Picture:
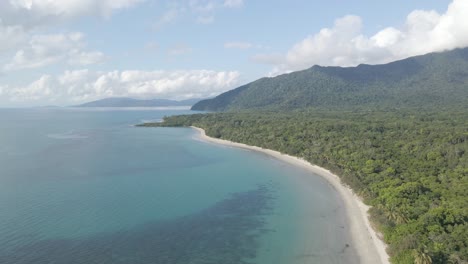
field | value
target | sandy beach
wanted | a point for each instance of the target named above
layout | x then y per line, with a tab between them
370	248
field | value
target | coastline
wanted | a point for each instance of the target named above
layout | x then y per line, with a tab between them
370	248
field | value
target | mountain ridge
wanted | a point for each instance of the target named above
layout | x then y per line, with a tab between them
421	81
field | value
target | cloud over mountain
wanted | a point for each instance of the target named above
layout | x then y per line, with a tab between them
344	44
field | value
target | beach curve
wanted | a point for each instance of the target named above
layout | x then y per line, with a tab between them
369	246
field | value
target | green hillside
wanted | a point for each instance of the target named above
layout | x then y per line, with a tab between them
436	79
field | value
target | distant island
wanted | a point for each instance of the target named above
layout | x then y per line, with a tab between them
131	102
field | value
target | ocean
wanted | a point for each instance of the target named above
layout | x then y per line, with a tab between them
87	186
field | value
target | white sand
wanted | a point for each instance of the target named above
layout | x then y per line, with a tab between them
370	248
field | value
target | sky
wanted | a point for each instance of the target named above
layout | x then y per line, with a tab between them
65	52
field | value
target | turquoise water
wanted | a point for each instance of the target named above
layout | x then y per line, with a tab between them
85	186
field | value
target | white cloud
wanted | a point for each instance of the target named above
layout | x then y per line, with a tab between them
43	50
344	44
19	18
83	85
233	3
340	45
10	37
32	13
387	37
238	45
37	90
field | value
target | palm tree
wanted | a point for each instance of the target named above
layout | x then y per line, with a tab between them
393	214
454	259
421	257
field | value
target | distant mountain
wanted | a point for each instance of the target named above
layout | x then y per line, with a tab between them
130	102
432	80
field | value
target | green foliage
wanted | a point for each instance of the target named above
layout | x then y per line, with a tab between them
411	167
439	79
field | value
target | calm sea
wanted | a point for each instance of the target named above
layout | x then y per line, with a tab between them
85	186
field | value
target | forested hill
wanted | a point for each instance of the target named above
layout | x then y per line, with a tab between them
432	80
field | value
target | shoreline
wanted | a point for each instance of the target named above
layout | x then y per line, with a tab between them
370	248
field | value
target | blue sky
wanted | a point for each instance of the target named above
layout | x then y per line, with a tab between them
65	52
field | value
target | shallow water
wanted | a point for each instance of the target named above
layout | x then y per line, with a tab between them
85	186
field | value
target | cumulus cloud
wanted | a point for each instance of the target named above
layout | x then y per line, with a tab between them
19	18
32	13
344	44
38	89
43	50
82	85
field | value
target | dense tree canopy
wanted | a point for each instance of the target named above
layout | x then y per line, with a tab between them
412	167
